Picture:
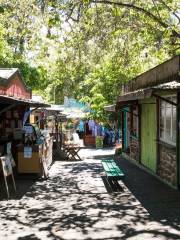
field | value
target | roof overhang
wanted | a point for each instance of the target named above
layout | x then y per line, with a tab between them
27	102
110	108
56	108
136	95
162	73
132	97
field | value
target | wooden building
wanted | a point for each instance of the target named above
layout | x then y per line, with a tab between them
11	84
149	107
15	103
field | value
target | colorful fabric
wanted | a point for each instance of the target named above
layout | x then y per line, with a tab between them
81	126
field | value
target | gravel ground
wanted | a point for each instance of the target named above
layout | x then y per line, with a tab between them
76	203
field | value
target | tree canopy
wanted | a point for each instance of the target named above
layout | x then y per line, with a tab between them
86	48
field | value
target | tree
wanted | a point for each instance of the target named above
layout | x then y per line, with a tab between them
86	48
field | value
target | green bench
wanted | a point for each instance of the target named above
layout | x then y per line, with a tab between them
113	172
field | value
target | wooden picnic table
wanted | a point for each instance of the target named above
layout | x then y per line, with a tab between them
71	151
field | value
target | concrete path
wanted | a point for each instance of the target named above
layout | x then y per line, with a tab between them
76	203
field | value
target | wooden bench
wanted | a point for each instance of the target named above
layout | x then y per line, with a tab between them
113	172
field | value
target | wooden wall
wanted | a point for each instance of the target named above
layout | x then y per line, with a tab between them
165	72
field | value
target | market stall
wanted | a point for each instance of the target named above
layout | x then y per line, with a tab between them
35	154
15	103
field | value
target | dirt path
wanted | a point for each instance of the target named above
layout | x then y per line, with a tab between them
74	204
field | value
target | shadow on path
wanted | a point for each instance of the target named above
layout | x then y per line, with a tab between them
73	204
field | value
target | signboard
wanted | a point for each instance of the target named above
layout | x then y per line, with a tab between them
6	165
7	171
27	152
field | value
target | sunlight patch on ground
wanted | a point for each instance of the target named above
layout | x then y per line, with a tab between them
89	153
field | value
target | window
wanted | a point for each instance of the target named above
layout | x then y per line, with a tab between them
167	124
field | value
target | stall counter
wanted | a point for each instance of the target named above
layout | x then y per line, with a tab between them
35	158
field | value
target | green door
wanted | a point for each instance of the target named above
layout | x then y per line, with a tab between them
148	135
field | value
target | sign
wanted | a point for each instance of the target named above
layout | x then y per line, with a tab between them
6	165
7	171
28	129
27	152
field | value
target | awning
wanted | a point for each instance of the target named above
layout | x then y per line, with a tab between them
28	102
148	92
110	108
56	108
139	94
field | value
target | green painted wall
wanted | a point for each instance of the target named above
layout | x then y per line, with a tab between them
148	133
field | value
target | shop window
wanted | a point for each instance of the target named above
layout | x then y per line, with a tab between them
167	118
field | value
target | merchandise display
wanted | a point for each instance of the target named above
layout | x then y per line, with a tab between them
35	154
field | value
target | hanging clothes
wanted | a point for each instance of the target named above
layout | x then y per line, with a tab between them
95	130
87	130
81	129
81	126
99	129
91	124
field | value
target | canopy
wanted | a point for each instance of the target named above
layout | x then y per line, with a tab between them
75	109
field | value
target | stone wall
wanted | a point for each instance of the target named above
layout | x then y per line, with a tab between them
134	149
167	165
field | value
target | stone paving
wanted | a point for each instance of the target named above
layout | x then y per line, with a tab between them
76	203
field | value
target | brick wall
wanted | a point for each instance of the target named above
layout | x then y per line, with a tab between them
167	165
134	149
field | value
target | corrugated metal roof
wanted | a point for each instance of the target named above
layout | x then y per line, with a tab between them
168	85
10	100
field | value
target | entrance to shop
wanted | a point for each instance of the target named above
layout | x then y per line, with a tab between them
148	136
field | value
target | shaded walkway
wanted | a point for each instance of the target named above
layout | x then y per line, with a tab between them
161	201
74	204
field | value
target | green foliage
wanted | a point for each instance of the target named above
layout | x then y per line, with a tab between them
86	49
